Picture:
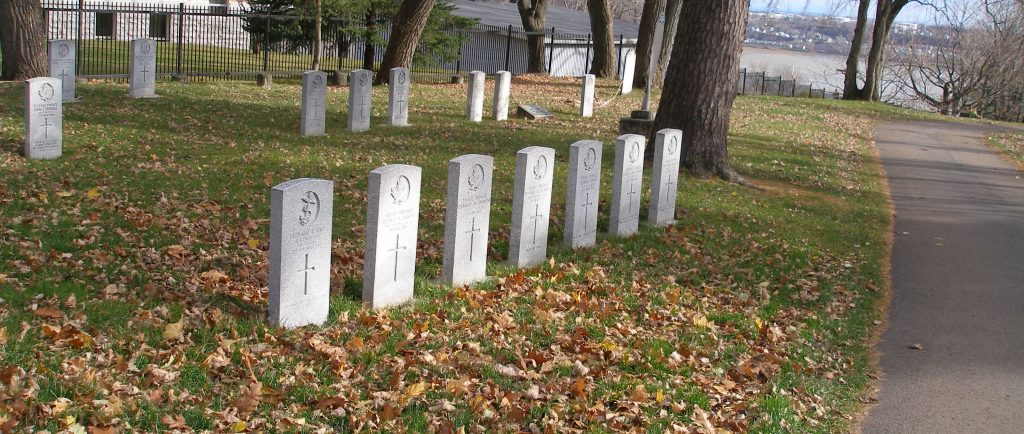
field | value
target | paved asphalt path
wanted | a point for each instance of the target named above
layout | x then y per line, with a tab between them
958	285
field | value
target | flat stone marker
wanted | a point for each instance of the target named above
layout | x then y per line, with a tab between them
314	103
392	220
475	96
661	210
627	72
587	96
627	183
360	100
583	194
142	69
398	97
531	206
301	213
533	112
62	66
502	85
467	219
44	118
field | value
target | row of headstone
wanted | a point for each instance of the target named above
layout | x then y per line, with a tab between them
301	216
360	101
502	85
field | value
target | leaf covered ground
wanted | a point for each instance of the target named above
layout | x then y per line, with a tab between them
133	276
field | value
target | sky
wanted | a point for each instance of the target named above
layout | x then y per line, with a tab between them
914	12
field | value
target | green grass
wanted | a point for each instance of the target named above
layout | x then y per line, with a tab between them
757	306
1010	144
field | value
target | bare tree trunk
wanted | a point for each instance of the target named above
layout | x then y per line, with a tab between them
23	39
645	40
369	50
672	8
850	88
885	13
700	85
604	43
533	14
318	41
413	15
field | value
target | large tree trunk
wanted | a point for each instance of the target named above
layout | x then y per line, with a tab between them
369	49
604	42
533	14
672	8
413	15
885	12
850	88
645	40
23	39
318	41
700	83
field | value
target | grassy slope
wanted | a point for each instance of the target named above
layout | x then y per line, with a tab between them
753	312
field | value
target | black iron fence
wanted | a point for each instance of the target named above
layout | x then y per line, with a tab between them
200	42
758	83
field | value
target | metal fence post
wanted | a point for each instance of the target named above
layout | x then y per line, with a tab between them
586	58
181	35
508	46
744	80
618	61
266	43
551	52
78	42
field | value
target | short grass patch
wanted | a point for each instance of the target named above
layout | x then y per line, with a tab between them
133	273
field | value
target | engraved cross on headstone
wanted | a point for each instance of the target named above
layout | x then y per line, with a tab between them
586	211
537	215
400	102
362	106
669	185
145	69
63	75
316	108
395	251
632	192
305	271
472	238
46	130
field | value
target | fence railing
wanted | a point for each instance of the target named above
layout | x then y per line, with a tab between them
758	83
230	41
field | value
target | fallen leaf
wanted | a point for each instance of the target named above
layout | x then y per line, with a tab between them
174	331
93	193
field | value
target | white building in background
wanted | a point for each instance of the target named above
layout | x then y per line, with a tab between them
569	50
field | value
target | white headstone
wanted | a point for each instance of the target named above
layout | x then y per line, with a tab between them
301	212
531	206
44	118
583	193
628	67
398	97
392	221
502	83
467	219
587	96
314	103
475	96
627	183
62	66
360	100
661	209
142	68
